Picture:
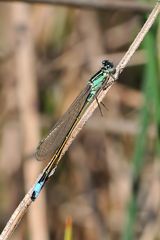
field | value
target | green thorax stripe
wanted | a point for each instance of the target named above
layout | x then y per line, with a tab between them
96	84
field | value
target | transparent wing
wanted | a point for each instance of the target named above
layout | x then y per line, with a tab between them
56	137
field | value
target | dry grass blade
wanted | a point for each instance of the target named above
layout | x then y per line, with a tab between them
101	5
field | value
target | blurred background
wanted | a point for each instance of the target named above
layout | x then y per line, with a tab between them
107	186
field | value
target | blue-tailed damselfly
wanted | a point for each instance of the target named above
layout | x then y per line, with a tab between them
50	148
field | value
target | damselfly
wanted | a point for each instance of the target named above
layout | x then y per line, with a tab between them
50	148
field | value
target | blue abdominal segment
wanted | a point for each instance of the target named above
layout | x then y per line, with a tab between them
37	188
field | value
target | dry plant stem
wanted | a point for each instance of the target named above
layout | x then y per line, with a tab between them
19	212
139	38
17	216
95	4
24	71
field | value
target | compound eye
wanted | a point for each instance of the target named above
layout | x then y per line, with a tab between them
110	65
104	62
107	64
